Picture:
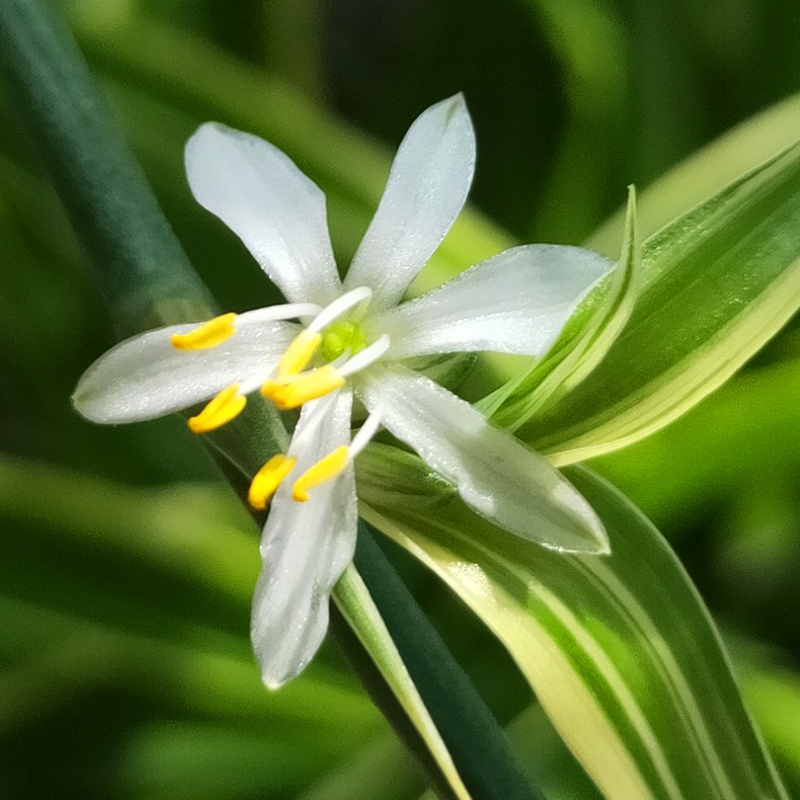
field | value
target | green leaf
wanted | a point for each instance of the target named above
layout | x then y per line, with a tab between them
717	283
707	172
356	604
590	45
474	738
582	345
209	83
73	569
620	650
774	694
744	436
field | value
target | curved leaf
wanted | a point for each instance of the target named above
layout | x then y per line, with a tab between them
706	172
717	283
358	608
620	650
596	327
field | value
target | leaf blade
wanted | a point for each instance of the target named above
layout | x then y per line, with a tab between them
620	651
583	343
353	598
717	284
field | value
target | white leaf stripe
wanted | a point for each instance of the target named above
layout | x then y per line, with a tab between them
547	649
667	668
720	282
612	692
620	652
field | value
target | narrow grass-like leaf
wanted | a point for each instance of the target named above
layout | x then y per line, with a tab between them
356	604
210	83
590	45
583	345
56	650
478	746
744	435
774	694
620	650
717	283
706	172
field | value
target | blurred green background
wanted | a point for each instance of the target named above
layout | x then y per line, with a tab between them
126	566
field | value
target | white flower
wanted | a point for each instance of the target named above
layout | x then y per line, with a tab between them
350	340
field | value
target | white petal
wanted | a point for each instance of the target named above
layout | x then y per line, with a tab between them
515	302
495	473
278	213
305	547
146	377
427	187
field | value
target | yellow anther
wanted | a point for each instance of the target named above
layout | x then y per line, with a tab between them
311	385
209	334
223	408
298	354
267	479
324	470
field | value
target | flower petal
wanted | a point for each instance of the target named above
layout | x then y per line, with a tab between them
259	193
427	187
496	474
146	377
515	302
305	547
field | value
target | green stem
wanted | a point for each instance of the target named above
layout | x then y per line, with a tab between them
477	743
140	265
143	271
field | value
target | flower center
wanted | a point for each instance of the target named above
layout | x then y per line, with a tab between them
317	362
341	337
339	342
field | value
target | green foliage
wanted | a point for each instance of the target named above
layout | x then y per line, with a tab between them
619	651
124	663
717	283
583	345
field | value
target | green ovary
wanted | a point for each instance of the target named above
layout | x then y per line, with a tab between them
340	337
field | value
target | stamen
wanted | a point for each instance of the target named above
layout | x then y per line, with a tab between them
339	306
299	353
365	433
267	479
207	335
365	357
324	470
280	312
223	408
302	388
